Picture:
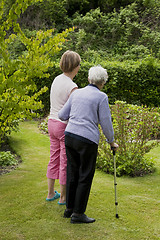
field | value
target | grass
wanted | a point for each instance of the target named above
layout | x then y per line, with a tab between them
25	214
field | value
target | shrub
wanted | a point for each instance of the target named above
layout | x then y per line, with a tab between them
43	126
19	95
7	159
134	128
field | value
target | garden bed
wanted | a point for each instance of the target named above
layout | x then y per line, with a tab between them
7	148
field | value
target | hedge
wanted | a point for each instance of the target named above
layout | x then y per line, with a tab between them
132	82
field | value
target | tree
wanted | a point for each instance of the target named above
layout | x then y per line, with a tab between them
18	95
128	33
45	14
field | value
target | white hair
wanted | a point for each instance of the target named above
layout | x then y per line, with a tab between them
97	75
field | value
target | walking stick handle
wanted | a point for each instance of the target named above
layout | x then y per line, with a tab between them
114	151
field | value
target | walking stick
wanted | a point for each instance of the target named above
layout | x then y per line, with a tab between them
115	182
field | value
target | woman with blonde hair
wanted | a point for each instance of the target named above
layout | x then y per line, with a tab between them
61	89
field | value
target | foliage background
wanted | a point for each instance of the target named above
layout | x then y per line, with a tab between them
123	36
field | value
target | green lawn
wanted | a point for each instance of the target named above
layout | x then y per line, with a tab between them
25	214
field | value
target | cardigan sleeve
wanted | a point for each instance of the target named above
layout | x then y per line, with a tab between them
105	120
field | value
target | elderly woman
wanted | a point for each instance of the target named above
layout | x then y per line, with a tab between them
86	108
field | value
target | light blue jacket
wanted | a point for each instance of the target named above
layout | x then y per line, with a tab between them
86	108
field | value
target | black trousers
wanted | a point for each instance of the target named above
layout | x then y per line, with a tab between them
81	161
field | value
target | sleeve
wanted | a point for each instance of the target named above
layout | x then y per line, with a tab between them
71	86
64	113
105	120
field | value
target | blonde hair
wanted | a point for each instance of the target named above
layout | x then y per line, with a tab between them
69	61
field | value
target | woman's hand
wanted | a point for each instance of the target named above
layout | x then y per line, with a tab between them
114	145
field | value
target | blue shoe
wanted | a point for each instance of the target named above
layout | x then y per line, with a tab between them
61	203
56	196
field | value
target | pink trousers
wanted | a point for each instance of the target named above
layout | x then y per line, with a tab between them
57	166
